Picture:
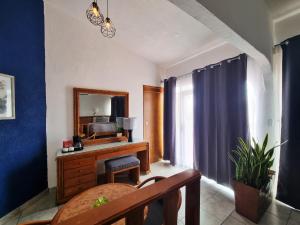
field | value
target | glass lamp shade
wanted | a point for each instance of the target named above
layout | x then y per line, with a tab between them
107	29
119	121
94	15
129	123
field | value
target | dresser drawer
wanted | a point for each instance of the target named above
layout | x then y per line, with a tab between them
79	180
71	191
78	172
76	163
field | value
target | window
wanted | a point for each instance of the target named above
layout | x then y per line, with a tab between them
184	122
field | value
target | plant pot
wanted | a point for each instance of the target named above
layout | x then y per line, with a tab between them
250	202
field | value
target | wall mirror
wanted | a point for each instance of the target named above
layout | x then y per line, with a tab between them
98	115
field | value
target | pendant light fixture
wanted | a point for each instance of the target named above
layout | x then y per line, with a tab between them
94	15
107	28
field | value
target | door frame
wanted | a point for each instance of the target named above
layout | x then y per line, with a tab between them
148	88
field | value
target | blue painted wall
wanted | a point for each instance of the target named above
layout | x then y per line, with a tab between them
23	157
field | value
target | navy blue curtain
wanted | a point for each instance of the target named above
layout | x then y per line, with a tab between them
117	107
170	119
288	183
220	116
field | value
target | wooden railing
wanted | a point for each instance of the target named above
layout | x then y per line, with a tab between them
132	205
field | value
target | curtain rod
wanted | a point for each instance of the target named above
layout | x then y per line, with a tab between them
180	76
204	68
282	43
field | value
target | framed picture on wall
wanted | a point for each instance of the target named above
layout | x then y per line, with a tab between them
7	97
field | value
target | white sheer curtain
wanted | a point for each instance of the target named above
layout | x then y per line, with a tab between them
184	122
277	91
259	99
256	93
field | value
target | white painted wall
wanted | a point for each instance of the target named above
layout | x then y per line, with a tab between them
242	23
287	28
210	57
250	19
89	104
78	56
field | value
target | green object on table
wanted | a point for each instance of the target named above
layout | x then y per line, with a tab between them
100	201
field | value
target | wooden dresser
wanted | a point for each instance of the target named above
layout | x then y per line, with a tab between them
77	171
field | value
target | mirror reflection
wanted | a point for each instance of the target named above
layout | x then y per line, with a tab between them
101	116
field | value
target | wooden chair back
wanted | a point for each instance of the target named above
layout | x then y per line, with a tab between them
132	205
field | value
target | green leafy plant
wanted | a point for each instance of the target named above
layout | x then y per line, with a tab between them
253	163
100	201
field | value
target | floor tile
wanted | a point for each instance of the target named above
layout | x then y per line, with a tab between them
220	208
11	221
295	215
46	202
35	199
220	197
181	213
207	218
269	218
293	222
11	218
180	221
232	221
43	215
280	210
241	219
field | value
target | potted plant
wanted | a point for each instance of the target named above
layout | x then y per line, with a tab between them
119	132
253	176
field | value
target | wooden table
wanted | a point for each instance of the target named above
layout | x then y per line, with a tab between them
77	171
85	201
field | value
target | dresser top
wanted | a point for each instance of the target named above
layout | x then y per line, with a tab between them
98	147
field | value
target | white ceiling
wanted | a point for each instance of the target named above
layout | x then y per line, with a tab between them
154	29
282	8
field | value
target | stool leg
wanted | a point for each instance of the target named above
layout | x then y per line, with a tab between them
138	171
110	177
135	175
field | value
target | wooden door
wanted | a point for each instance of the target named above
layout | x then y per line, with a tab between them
153	121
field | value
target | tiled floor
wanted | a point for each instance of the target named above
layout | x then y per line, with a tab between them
216	206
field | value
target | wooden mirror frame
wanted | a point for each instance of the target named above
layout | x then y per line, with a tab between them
76	109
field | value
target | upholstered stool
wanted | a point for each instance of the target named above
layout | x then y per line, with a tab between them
119	165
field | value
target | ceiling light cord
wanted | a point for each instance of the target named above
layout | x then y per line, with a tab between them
107	8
